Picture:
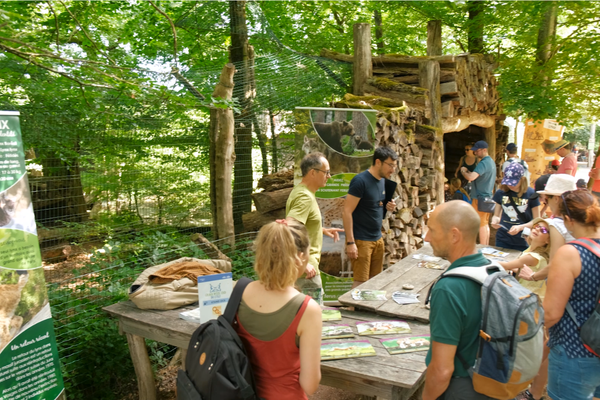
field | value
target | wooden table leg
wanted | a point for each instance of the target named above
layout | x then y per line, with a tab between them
143	369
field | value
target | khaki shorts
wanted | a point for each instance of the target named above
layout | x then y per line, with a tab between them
370	259
484	218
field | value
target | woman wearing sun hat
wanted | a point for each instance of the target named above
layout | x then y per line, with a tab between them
516	203
569	163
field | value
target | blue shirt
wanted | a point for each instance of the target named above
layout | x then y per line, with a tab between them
510	217
483	186
368	214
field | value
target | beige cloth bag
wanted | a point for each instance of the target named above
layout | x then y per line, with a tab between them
167	296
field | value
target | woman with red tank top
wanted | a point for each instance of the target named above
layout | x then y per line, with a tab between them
279	326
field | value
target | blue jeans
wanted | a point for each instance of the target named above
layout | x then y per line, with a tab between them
572	378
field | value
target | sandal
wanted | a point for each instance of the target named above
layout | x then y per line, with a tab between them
526	395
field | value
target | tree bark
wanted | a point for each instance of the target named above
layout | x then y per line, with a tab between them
475	26
222	141
546	34
239	54
434	38
270	201
379	32
274	150
363	65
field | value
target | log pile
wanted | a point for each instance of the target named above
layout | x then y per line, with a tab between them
420	159
467	81
270	202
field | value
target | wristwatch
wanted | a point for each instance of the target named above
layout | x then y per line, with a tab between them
349	243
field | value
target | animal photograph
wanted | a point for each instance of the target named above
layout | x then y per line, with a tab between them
346	132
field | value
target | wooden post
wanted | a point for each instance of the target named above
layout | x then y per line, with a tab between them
490	138
434	38
363	65
221	137
429	78
141	364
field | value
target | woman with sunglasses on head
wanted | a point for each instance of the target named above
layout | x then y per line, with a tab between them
469	161
574	278
279	326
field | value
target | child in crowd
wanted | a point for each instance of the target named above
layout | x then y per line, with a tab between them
279	326
457	192
535	258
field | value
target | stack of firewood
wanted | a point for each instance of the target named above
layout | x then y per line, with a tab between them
467	81
270	202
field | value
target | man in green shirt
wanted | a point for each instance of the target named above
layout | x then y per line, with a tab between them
302	206
455	317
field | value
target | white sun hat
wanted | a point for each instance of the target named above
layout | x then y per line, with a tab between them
558	184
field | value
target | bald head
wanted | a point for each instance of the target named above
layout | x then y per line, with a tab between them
460	215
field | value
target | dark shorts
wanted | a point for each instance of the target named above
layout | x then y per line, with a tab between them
462	389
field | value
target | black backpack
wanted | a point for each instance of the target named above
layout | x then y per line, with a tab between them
216	364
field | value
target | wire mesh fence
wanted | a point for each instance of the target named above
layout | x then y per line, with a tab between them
118	186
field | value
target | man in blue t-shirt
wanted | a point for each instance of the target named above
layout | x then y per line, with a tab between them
483	178
363	215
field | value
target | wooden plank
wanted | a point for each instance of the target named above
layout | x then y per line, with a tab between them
448	88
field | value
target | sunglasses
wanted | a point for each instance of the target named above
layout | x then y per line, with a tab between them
542	228
469	149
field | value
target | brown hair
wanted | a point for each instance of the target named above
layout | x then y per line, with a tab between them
277	246
522	187
580	206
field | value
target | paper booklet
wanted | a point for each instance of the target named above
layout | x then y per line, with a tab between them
330	314
213	294
337	332
382	327
406	344
360	294
191	315
355	348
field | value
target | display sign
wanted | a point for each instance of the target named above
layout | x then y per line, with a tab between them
538	145
29	365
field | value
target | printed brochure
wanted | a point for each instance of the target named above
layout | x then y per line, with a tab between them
382	327
213	294
406	344
330	314
337	332
358	294
337	350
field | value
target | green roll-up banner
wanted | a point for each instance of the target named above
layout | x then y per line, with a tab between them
29	366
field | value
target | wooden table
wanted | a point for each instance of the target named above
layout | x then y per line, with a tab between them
395	377
403	272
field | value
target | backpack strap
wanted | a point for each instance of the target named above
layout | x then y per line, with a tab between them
595	249
521	216
235	299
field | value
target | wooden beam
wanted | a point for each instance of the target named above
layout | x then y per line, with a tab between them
461	122
448	88
447	109
363	65
434	38
446	60
142	367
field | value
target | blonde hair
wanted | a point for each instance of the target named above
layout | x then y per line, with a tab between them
522	187
543	251
277	246
456	185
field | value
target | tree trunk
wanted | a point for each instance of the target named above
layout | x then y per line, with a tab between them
434	38
274	150
363	66
379	32
239	54
546	34
221	135
475	26
262	144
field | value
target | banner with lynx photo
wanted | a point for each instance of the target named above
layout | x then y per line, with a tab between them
538	145
347	139
29	365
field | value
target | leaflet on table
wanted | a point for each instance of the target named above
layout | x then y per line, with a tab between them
213	294
337	332
489	251
330	314
406	344
337	350
405	298
362	294
191	315
382	327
